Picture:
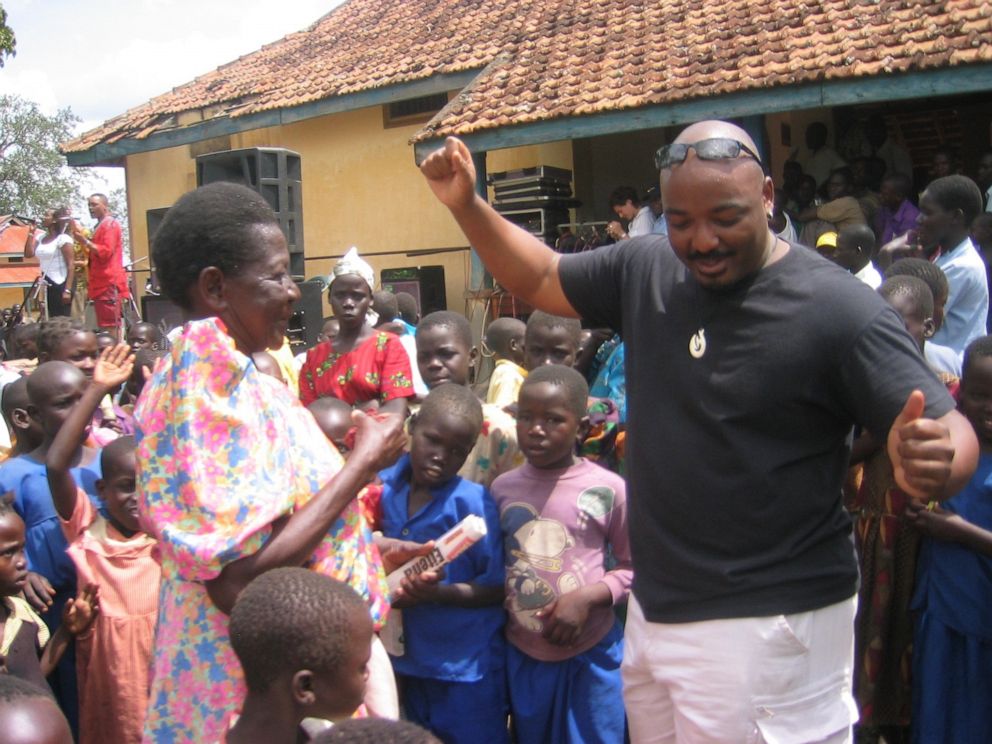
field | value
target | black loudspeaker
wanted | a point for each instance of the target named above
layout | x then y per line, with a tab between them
308	316
426	284
161	312
304	324
276	174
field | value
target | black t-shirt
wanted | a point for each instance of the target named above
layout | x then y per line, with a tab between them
735	458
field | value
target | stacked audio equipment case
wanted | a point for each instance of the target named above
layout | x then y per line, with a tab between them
537	199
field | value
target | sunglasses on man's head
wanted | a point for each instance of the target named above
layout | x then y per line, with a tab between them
717	148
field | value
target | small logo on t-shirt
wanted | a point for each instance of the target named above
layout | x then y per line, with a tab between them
597	501
697	344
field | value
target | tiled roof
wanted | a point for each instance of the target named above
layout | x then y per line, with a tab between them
18	275
13	236
544	59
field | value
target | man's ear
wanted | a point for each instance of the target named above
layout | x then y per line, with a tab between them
473	356
302	688
929	328
768	196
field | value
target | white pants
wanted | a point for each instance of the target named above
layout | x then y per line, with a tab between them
784	679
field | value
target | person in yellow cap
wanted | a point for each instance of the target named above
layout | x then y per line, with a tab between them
362	366
852	249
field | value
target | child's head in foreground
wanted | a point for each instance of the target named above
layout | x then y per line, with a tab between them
333	416
267	365
376	731
13	563
329	329
912	299
551	339
54	390
981	233
145	336
932	274
505	339
304	642
145	360
976	388
442	433
66	340
118	487
444	348
29	714
551	416
24	427
23	341
855	247
104	340
406	304
384	305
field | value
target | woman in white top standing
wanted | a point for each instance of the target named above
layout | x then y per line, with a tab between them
54	252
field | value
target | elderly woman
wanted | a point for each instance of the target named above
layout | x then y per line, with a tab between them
360	365
234	476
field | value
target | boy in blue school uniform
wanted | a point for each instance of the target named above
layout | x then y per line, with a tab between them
452	671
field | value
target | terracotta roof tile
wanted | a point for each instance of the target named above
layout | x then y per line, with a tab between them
12	237
18	275
544	59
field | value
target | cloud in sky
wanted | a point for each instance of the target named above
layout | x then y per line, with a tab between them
102	57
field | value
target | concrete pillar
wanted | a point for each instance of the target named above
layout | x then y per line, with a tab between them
480	277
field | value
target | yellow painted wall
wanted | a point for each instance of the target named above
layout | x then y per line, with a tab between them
557	154
360	187
154	180
10	296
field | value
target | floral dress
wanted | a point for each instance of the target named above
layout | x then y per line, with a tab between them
376	369
223	451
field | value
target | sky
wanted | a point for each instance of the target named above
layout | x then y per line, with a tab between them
102	57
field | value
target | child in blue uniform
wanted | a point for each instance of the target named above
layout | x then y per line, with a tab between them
54	389
451	672
952	646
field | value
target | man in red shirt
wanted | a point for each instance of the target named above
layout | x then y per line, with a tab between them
107	278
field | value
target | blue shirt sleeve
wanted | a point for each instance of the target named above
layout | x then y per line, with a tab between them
487	554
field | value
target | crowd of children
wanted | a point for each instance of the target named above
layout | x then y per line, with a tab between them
520	636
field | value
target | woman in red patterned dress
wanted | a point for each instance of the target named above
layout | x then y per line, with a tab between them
361	366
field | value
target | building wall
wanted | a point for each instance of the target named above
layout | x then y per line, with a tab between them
787	135
360	187
154	180
10	296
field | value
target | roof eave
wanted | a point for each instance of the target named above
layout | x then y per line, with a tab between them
975	78
113	153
